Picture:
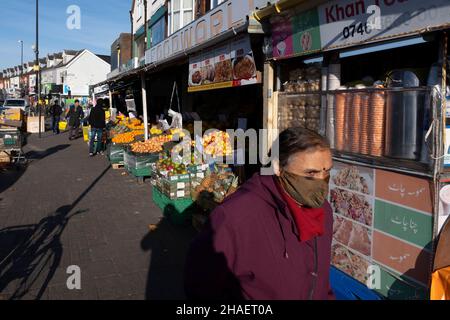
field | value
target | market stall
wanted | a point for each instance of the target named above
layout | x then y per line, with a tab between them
382	106
188	181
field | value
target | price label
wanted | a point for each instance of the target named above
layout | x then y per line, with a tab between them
180	193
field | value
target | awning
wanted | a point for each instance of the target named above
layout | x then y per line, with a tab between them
184	54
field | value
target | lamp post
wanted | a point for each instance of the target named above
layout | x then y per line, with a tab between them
21	65
38	71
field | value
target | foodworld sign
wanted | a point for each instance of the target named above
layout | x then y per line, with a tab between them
229	15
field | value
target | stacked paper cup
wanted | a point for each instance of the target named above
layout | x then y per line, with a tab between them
333	83
355	123
340	120
323	103
365	113
348	132
377	125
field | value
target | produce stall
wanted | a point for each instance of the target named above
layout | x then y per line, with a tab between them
383	108
188	180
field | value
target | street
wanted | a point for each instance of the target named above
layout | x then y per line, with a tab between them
66	209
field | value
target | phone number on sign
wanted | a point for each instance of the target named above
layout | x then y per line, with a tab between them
229	310
354	29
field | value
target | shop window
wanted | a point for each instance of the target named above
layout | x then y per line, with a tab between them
140	9
158	32
181	13
215	3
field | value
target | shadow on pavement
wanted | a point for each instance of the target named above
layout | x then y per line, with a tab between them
39	155
33	262
168	244
10	174
31	254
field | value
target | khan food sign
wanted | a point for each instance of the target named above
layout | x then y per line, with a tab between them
226	66
229	15
349	22
295	33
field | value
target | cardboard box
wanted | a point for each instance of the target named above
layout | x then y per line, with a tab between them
4	157
33	124
14	114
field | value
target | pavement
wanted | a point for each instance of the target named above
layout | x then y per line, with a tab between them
71	227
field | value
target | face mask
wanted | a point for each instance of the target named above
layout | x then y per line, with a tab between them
307	191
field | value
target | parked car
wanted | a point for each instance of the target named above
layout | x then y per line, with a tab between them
16	103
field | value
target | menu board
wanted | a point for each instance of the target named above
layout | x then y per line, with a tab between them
229	65
382	219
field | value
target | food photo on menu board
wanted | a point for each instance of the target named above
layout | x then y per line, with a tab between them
223	65
230	65
244	67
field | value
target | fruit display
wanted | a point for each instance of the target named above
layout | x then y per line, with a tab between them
216	187
191	157
170	168
177	133
151	145
127	137
118	129
155	131
217	144
135	124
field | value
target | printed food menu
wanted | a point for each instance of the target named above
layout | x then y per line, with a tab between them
382	219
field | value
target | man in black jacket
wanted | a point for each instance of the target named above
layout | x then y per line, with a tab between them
97	122
75	115
55	112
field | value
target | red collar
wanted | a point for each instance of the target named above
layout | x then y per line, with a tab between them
309	221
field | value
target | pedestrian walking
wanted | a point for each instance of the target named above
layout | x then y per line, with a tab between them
271	239
97	121
55	112
74	115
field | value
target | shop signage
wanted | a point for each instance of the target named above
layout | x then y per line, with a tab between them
295	34
101	89
230	65
383	218
225	17
350	22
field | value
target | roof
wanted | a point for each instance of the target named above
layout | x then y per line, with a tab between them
105	58
58	55
72	52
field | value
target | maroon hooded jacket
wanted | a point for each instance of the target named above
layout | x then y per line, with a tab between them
250	249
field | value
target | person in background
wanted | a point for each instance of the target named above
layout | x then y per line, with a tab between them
55	112
97	122
271	239
75	114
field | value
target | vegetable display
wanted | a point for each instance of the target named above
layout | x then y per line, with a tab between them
151	145
127	137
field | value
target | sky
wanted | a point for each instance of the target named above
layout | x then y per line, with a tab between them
101	22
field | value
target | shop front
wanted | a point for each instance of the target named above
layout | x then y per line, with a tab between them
371	76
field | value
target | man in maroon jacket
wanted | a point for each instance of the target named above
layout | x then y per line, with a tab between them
272	238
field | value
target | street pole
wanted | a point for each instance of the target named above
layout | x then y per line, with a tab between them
143	83
21	65
144	104
38	73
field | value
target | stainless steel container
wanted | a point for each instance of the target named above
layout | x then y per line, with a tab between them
404	116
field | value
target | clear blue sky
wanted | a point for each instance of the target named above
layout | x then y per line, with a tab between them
101	23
